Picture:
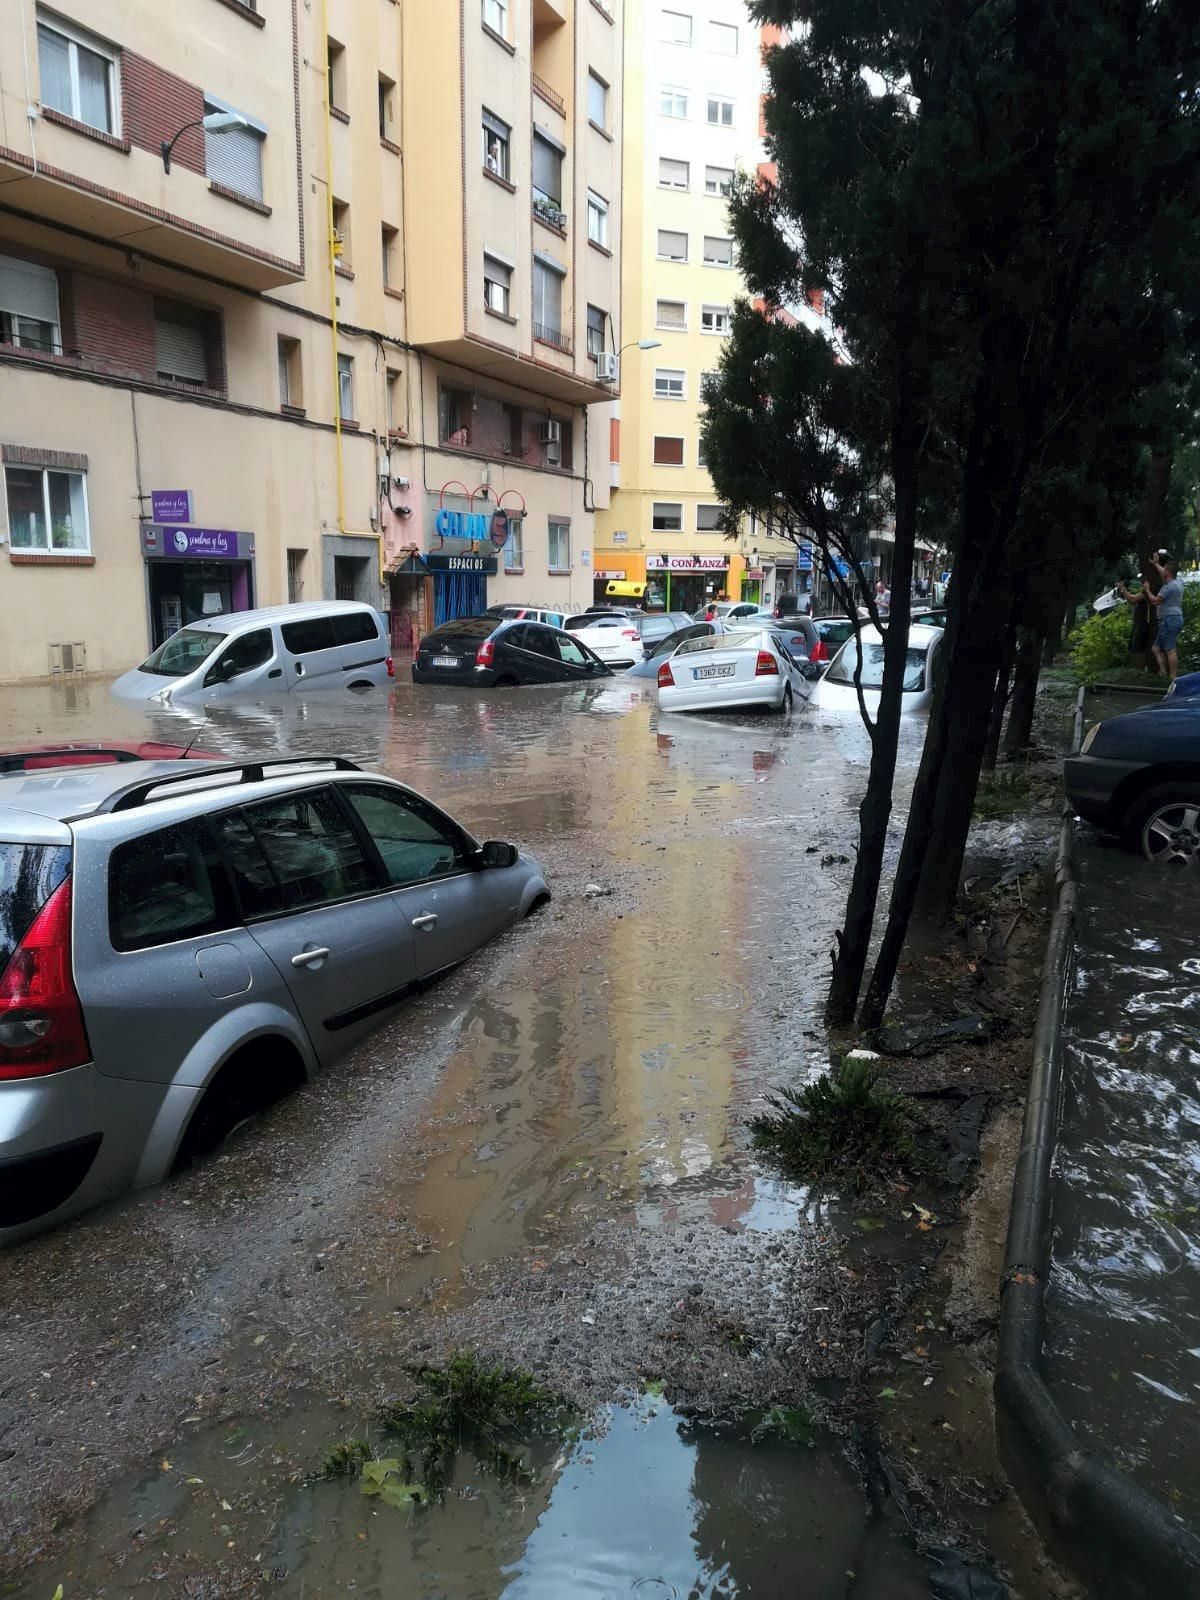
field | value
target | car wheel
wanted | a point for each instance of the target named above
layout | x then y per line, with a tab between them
505	683
785	705
1164	825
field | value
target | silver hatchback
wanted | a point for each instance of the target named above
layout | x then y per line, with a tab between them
181	944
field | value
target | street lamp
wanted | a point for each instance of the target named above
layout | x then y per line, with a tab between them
214	122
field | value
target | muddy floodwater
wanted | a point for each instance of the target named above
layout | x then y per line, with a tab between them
175	1365
1124	1301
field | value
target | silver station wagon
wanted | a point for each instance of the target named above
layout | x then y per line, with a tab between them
182	943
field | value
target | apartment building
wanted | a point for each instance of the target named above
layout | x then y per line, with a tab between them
299	299
693	120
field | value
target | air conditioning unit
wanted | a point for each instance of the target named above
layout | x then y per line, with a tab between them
66	658
550	431
606	367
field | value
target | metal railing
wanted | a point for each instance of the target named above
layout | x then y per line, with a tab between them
549	95
552	336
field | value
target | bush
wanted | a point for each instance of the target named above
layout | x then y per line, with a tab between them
1100	646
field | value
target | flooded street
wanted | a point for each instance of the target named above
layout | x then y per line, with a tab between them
1124	1301
560	1126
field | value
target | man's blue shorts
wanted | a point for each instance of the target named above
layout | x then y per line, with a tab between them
1169	629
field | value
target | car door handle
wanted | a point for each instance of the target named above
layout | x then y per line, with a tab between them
305	958
426	920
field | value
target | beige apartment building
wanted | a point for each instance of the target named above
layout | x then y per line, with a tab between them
295	297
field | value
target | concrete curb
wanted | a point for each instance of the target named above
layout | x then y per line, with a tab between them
1120	1540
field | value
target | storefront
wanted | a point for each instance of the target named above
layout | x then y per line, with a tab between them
688	582
753	580
192	573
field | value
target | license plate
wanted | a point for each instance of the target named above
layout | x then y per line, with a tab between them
714	672
445	661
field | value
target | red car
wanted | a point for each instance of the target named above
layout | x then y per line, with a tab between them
39	757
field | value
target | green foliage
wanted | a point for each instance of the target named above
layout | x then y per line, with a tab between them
1006	790
466	1405
847	1127
345	1459
385	1480
1100	646
791	1424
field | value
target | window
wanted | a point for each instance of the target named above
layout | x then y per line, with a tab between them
335	55
295	575
392	399
413	841
241	655
596	321
673	102
676	28
514	548
571	653
294	852
345	373
701	454
47	509
668	451
166	886
497	285
29	305
560	545
387	105
597	213
597	100
341	233
672	174
672	246
718	252
670	314
720	112
714	319
495	16
291	392
666	516
78	73
181	340
234	157
718	181
669	383
722	38
388	237
547	172
547	297
497	136
454	407
710	519
309	635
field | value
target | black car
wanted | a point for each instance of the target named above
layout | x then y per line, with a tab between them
480	650
1138	775
832	633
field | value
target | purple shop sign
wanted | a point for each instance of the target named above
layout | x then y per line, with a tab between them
170	505
202	542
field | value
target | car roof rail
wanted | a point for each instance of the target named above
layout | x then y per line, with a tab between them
132	795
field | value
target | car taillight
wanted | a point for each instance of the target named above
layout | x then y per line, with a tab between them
666	678
630	633
486	654
818	652
391	667
766	665
41	1020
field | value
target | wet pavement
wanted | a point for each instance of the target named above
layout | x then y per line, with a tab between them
581	1085
1124	1297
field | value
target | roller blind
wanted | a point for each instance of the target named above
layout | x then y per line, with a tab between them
234	158
179	351
27	290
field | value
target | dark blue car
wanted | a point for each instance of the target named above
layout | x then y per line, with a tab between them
1184	688
1138	776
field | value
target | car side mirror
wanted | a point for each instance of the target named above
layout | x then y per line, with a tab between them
497	854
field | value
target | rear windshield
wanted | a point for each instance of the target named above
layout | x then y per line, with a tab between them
183	652
29	875
835	632
720	641
842	670
464	628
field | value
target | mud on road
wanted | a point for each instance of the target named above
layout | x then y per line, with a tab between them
545	1159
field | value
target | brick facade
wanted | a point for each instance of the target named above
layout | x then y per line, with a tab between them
155	105
112	325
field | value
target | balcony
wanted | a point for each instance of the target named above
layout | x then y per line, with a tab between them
549	212
549	95
554	337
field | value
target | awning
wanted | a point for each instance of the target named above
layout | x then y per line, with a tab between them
411	567
631	591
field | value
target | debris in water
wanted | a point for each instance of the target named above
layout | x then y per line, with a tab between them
596	891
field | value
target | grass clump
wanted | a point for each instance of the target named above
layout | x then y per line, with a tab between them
465	1405
1005	791
847	1127
345	1460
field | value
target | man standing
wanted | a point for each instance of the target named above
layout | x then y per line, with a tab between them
1168	605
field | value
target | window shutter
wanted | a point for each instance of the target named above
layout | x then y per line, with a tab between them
179	351
234	158
673	172
672	245
27	290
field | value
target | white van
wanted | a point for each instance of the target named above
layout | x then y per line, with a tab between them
245	654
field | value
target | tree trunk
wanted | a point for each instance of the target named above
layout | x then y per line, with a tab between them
1000	698
1019	733
854	938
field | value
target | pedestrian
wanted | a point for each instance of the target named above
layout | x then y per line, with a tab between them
1168	605
710	611
883	600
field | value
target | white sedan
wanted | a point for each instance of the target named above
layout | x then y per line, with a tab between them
615	638
836	690
728	670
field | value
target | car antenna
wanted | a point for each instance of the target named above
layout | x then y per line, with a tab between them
187	749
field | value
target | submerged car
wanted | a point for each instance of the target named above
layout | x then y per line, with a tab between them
837	690
502	655
180	943
613	636
1138	776
728	671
